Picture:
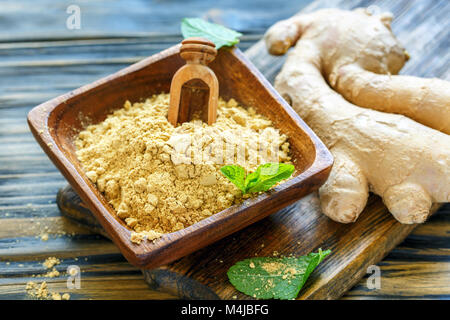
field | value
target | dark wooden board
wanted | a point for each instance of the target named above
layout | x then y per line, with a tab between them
298	230
33	70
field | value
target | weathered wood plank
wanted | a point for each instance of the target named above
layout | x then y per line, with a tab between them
418	267
408	281
112	287
101	18
294	230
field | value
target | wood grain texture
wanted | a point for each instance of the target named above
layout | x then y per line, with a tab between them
418	268
38	66
24	19
296	230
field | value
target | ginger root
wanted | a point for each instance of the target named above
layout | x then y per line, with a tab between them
404	162
360	58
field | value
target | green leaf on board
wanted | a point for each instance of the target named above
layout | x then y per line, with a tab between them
274	278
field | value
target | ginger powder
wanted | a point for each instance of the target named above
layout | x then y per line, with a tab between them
160	178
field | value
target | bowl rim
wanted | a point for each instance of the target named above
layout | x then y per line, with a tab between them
145	254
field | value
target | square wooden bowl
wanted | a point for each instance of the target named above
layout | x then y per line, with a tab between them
56	123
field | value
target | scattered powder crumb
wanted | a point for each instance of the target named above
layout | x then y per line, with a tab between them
252	265
56	296
73	271
290	271
285	270
160	178
37	290
44	237
41	290
52	274
66	296
272	267
137	237
51	262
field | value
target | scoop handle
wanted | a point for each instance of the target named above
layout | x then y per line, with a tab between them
197	52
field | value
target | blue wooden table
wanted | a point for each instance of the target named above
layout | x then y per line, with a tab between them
41	58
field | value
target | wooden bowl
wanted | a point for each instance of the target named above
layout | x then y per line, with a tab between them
56	123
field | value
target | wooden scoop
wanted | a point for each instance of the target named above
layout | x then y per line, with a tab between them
194	85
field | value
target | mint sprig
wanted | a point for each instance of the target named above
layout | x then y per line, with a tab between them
274	278
220	35
262	179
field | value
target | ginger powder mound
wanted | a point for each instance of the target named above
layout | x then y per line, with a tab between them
160	178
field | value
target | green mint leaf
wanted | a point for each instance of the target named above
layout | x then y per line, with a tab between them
262	179
235	174
251	179
274	278
220	35
269	174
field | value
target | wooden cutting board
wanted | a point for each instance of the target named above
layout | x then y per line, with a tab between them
298	229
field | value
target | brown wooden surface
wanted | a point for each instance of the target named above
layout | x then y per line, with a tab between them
38	66
298	230
56	123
